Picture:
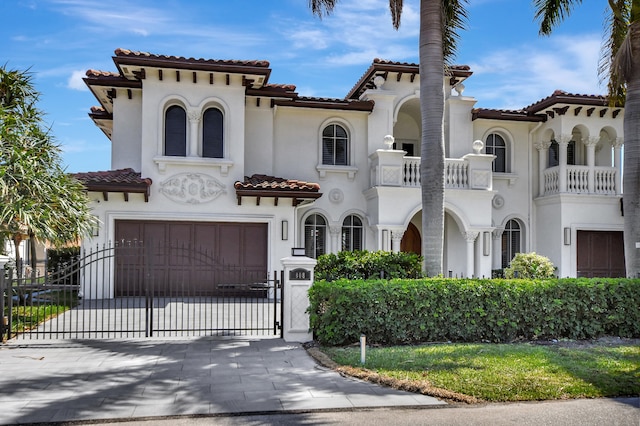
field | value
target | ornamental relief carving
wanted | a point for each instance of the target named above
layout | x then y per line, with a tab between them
192	188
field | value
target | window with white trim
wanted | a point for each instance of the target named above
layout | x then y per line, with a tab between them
352	233
496	145
511	241
335	145
175	131
315	235
212	133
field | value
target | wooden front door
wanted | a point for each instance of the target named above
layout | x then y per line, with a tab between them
411	241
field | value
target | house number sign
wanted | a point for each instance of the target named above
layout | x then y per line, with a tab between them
299	274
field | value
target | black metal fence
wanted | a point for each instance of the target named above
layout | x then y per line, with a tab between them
133	289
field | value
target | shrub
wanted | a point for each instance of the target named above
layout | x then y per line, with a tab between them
365	264
473	310
530	265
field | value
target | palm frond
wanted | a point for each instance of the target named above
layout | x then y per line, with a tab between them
322	8
615	45
395	6
455	18
551	12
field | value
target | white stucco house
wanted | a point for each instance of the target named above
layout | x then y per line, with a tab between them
210	153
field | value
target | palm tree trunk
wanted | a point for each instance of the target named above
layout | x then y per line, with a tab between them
432	143
631	177
17	239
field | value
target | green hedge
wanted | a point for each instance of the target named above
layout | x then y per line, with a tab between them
363	264
472	310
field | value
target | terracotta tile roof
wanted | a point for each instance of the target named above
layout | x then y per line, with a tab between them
269	186
122	180
381	66
562	97
505	114
126	53
264	182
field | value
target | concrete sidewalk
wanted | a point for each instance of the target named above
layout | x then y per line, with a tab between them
64	380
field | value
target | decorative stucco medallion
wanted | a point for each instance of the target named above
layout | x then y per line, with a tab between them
498	201
192	188
336	196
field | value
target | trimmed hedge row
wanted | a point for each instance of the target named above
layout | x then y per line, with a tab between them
473	310
363	264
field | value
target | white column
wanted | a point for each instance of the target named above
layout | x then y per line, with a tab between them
396	239
591	143
497	248
543	154
334	236
194	123
470	237
617	163
563	143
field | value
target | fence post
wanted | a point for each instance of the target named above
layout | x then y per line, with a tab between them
298	277
3	293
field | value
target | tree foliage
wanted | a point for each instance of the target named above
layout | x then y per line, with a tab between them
38	199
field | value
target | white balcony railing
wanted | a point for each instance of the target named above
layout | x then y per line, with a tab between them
578	180
456	173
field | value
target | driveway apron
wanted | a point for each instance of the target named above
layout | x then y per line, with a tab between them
65	380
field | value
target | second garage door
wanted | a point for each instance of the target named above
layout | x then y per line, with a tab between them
189	258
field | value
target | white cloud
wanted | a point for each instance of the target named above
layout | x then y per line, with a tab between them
75	82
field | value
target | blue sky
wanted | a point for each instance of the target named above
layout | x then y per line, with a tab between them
59	40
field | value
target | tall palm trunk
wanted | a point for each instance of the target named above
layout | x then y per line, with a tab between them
632	158
432	142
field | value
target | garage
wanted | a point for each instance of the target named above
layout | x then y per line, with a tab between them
601	254
175	258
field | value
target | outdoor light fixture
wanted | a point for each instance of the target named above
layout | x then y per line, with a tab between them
567	236
285	230
298	251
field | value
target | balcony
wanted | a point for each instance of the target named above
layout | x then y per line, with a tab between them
581	180
392	168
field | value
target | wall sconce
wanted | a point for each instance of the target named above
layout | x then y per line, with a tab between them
486	246
285	230
298	251
567	236
95	230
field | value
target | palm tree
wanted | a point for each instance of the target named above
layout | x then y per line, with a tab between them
38	200
620	64
439	22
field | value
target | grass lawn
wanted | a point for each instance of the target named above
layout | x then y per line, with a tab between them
502	372
29	314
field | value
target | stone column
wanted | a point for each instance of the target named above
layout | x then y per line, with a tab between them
563	143
617	163
470	237
543	154
298	278
194	123
396	239
591	143
334	236
497	249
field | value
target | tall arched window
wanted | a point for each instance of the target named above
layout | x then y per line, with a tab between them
352	233
511	241
175	131
496	145
315	232
335	145
212	134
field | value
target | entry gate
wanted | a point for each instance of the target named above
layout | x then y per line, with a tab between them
129	290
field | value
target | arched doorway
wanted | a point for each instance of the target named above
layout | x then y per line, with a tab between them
411	241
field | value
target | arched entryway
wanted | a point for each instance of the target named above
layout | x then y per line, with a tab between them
411	241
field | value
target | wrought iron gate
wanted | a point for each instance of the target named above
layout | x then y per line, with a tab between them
132	289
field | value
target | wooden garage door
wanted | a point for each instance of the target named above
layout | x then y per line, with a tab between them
600	254
189	258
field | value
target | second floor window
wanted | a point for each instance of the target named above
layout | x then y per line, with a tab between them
554	153
352	233
496	145
212	134
175	131
335	146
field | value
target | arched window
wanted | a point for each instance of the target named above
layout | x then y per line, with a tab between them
335	145
315	232
352	233
511	241
496	145
175	131
212	134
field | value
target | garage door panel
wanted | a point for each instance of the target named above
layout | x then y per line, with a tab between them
191	258
600	254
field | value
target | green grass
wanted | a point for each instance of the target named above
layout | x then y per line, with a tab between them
507	372
28	315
